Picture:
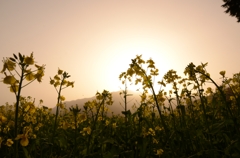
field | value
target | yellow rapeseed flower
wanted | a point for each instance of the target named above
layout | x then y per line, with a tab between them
157	128
57	83
222	73
3	119
114	125
29	60
29	76
143	97
151	63
52	81
62	98
123	74
159	152
88	130
14	88
60	71
64	82
106	122
130	71
24	139
61	105
9	142
8	64
209	90
162	83
138	80
56	77
9	80
70	84
82	117
155	141
154	72
151	132
100	118
39	75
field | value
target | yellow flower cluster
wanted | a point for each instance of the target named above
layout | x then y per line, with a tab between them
114	125
86	130
9	64
24	137
60	79
151	132
159	152
141	76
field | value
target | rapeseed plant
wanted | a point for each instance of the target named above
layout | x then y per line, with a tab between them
16	85
59	80
91	132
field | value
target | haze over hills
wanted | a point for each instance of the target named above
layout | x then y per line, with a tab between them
118	102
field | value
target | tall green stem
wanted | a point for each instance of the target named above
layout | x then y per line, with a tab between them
94	125
155	99
16	112
57	111
159	111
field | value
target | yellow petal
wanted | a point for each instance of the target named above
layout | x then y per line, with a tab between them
9	142
10	65
56	77
9	80
14	88
24	141
29	60
60	71
4	67
29	76
19	136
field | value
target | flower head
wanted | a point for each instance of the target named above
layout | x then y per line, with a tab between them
222	73
114	125
24	137
29	60
9	80
60	71
8	64
86	130
9	142
159	152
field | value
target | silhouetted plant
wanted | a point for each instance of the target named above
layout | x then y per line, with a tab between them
233	8
16	85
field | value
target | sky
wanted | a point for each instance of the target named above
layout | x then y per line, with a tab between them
95	40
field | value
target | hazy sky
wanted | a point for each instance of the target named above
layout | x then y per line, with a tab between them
95	40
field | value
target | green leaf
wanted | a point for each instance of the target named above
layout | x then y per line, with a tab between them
26	153
12	59
15	56
20	57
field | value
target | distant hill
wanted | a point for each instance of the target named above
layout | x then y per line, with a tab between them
118	102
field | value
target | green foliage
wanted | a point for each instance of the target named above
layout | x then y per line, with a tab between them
197	121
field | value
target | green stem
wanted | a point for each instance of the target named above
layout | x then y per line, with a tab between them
155	97
94	124
16	112
75	137
158	108
221	92
202	101
57	111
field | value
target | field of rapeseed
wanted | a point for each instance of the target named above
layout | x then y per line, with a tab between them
198	121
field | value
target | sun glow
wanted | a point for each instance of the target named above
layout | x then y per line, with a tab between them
121	59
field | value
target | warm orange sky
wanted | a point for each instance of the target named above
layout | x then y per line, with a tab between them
95	40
